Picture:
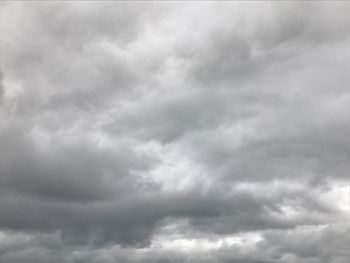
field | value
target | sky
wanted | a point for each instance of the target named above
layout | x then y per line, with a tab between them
174	132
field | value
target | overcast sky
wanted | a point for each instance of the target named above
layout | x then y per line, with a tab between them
174	132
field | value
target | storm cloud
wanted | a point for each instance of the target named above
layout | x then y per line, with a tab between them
174	132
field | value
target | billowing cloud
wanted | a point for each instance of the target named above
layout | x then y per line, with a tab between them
174	132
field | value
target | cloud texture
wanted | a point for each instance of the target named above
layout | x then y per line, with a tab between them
174	132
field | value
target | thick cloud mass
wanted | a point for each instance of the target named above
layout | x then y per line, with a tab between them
174	132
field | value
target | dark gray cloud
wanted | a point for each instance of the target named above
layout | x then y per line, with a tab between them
174	132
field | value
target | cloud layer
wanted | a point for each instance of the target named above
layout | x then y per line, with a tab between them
174	132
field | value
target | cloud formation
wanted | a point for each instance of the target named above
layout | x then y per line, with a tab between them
174	132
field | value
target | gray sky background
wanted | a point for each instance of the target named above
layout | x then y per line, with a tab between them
163	132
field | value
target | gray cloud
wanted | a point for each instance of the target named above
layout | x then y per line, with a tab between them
174	132
320	244
2	89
